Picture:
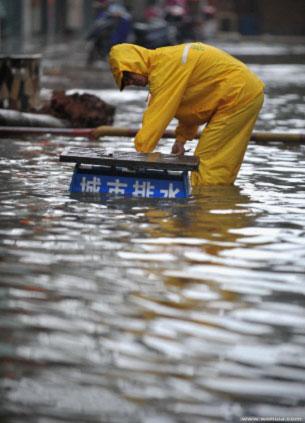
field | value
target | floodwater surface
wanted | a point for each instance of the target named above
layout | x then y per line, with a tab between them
155	311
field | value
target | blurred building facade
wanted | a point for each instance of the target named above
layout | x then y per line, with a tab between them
24	23
275	17
28	23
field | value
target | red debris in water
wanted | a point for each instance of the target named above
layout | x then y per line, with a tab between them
82	110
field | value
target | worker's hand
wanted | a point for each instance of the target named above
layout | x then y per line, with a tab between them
178	148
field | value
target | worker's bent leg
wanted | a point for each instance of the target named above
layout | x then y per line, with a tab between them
223	143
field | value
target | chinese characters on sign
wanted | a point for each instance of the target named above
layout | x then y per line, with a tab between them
93	185
116	187
129	186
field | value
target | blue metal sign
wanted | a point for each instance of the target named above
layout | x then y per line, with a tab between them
148	184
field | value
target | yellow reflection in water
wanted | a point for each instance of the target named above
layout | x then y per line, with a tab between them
195	232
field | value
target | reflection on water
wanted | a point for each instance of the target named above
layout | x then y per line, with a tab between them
154	310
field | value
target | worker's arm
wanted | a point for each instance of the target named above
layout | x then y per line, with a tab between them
160	112
169	87
183	133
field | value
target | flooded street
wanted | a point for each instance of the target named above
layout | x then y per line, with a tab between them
155	311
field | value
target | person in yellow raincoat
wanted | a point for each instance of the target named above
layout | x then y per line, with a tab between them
198	84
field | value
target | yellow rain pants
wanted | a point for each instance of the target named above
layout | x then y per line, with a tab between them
223	143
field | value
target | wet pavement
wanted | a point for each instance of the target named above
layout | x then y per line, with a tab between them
62	71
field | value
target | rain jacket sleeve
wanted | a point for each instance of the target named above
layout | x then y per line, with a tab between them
185	132
168	83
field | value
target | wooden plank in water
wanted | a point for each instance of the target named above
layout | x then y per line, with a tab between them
99	157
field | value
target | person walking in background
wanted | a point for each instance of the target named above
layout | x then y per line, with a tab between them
113	25
210	23
177	19
198	84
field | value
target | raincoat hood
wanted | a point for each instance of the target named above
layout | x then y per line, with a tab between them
128	57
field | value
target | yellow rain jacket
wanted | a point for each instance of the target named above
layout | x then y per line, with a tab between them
189	81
